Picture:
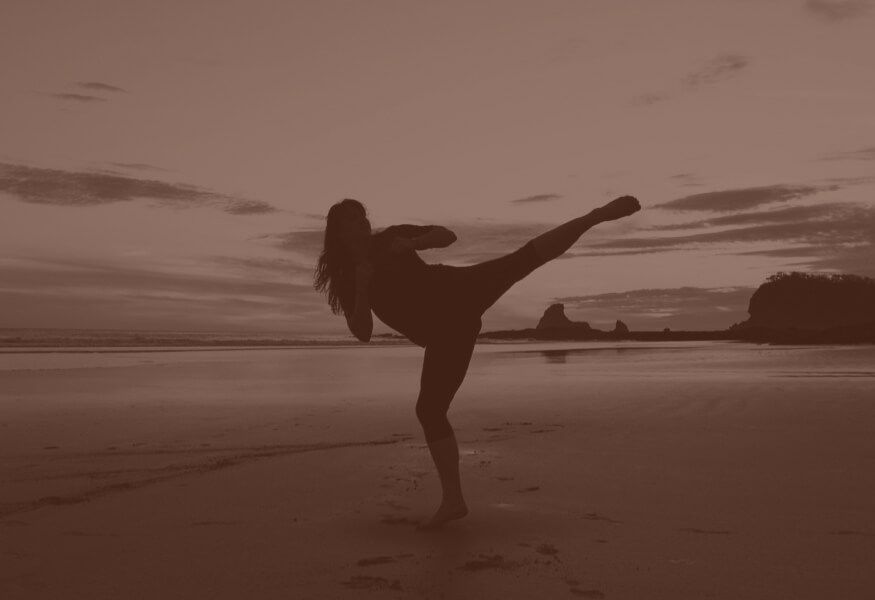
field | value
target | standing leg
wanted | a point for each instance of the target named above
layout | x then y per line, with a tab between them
443	370
557	241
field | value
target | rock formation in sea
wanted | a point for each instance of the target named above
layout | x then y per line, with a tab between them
620	328
554	317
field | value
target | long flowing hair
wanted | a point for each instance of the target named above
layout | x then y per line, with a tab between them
335	270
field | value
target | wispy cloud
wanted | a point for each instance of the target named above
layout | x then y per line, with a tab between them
686	307
716	70
743	198
91	293
686	179
648	99
838	10
77	97
261	267
841	226
82	188
247	207
137	166
98	86
861	154
537	198
784	215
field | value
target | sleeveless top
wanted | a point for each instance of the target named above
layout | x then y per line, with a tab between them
400	292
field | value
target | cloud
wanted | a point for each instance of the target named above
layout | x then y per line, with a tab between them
100	87
841	226
137	166
685	307
686	179
648	99
716	70
248	207
837	10
742	198
784	215
263	267
81	188
91	293
78	97
537	198
861	154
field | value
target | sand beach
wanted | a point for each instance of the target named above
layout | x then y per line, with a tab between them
625	470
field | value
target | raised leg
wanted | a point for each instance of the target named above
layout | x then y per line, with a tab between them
558	240
443	370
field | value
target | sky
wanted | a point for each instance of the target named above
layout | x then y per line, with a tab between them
168	165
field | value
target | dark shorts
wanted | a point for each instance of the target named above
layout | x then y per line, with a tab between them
460	295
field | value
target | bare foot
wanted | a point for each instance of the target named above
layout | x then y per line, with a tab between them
445	512
619	208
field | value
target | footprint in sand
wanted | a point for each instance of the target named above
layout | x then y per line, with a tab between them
534	488
495	561
597	517
395	520
587	593
547	549
395	505
706	531
365	582
376	560
504	478
14	523
852	532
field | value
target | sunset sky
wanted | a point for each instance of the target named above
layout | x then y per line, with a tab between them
168	165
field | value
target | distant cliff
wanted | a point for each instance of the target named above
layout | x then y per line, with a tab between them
811	308
789	308
807	301
555	325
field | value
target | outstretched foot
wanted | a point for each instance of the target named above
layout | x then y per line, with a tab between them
619	208
445	512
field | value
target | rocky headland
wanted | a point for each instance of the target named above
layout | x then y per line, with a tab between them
789	308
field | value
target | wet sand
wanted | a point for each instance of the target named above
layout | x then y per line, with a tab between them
588	475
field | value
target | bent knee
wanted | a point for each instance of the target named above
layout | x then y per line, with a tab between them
435	424
428	412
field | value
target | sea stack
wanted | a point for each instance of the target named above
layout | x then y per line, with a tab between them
554	318
620	328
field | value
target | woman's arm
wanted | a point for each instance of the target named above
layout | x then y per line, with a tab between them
361	322
438	237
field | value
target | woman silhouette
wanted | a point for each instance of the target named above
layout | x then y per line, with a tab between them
438	307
